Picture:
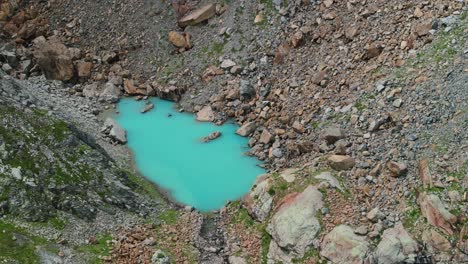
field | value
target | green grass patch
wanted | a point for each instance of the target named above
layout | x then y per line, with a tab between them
169	217
101	249
16	245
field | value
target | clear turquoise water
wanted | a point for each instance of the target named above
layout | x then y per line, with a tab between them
168	151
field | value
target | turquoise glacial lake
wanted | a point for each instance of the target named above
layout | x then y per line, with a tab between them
168	151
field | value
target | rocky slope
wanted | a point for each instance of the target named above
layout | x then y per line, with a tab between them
358	109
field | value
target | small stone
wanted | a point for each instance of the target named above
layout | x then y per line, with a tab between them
397	103
227	64
332	134
375	215
341	162
396	168
7	68
418	13
361	230
298	127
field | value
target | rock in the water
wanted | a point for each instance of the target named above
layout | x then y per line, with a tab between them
436	213
341	245
341	162
332	134
396	168
246	129
295	225
259	201
396	246
159	257
206	114
55	60
115	131
211	137
147	108
199	15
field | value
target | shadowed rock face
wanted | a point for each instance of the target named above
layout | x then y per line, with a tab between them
295	226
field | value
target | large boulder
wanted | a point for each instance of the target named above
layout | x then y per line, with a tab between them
55	60
396	246
436	213
246	129
295	225
342	245
259	201
332	134
114	130
111	93
205	114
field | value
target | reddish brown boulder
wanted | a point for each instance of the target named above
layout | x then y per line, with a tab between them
436	213
54	60
199	15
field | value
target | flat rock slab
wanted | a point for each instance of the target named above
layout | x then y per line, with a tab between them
342	245
328	177
199	15
295	225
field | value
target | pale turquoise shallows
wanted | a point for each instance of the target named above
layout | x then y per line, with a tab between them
168	151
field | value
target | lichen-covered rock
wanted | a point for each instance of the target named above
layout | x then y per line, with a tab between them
396	246
159	257
295	225
259	201
342	245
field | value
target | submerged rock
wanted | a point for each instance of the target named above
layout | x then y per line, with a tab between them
211	137
147	108
295	225
396	246
342	245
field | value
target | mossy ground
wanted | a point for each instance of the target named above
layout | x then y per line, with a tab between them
17	245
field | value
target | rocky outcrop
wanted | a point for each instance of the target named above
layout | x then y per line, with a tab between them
435	212
342	245
259	201
294	226
396	246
